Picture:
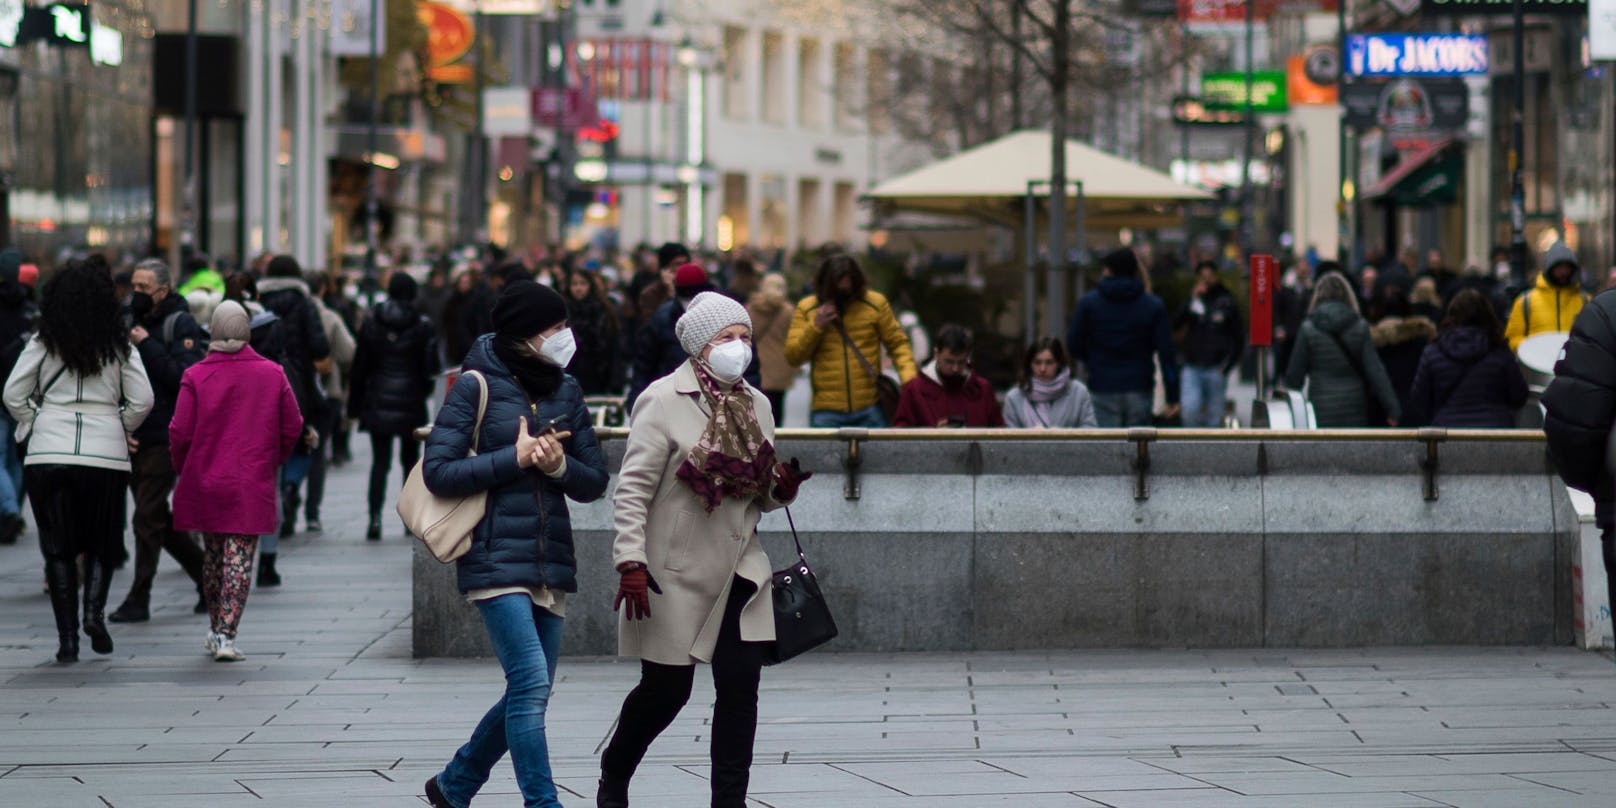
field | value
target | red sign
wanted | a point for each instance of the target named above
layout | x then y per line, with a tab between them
564	108
449	37
1234	11
1264	278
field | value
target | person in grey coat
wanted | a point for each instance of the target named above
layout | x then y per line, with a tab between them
1336	357
1048	397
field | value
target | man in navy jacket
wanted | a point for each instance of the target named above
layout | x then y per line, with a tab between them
1118	332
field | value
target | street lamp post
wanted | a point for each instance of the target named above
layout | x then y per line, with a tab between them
1517	180
372	213
1249	128
188	222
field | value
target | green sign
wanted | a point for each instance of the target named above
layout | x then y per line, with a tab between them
1227	91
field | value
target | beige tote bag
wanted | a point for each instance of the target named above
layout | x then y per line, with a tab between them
445	524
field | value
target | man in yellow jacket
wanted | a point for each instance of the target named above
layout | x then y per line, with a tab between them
832	328
1553	302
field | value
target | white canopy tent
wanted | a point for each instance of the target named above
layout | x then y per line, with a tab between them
991	182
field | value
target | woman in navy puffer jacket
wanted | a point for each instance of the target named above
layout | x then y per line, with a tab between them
536	448
1468	378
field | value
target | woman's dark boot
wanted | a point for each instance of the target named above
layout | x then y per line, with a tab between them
267	576
374	531
613	793
97	582
63	577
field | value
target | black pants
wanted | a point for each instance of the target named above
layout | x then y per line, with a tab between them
663	691
777	405
381	462
151	481
79	509
322	459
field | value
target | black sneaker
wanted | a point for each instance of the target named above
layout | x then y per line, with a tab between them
11	527
313	525
130	613
434	795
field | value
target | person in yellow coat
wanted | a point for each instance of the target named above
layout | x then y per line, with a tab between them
832	328
1553	302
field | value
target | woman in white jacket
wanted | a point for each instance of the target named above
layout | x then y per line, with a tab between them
77	391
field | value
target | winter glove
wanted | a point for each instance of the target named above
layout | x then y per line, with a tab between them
632	585
788	477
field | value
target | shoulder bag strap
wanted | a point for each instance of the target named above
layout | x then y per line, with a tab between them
868	368
482	410
1357	366
793	524
169	324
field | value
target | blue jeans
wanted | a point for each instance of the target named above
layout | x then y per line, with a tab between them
527	640
1118	410
10	468
1204	395
870	417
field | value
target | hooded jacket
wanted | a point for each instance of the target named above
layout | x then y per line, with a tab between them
1118	333
1400	342
926	402
1463	381
1335	387
839	380
166	362
1547	306
525	537
1581	405
394	367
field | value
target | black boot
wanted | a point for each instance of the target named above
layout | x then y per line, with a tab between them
374	532
63	577
97	582
267	576
613	793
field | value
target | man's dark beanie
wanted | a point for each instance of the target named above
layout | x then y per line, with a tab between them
402	287
526	308
284	266
1122	263
670	254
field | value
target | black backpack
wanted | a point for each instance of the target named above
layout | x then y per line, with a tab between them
269	340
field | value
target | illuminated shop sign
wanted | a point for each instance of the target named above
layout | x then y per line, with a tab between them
1416	55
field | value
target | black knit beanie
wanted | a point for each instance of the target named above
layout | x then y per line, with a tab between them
526	308
402	287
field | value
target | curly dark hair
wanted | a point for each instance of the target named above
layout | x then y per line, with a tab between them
79	321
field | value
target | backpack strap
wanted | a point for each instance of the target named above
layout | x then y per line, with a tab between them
169	324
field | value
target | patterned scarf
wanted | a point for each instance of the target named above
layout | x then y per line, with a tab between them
732	458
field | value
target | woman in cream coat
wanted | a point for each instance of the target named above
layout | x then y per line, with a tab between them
698	474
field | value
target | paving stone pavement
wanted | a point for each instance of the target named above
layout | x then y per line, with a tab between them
330	710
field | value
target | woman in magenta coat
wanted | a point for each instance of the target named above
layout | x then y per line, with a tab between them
235	424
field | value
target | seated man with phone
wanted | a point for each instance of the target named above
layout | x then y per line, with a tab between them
946	393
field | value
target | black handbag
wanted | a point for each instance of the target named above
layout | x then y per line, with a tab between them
802	620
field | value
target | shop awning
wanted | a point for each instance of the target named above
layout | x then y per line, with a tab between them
1429	176
989	182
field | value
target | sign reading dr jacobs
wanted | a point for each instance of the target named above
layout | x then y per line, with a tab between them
1416	55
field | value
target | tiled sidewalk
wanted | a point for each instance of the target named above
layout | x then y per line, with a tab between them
330	710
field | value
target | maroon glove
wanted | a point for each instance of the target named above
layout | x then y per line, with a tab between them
632	585
788	477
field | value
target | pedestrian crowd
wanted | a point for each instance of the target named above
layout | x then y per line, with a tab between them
219	399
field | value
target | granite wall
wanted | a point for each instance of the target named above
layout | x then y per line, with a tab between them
962	545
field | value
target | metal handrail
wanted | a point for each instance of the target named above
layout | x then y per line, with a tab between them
1421	435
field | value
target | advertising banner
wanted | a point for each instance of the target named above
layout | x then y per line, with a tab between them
1227	91
1407	104
1506	7
1264	276
1416	55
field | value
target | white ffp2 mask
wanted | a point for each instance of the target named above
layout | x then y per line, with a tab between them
729	360
558	348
